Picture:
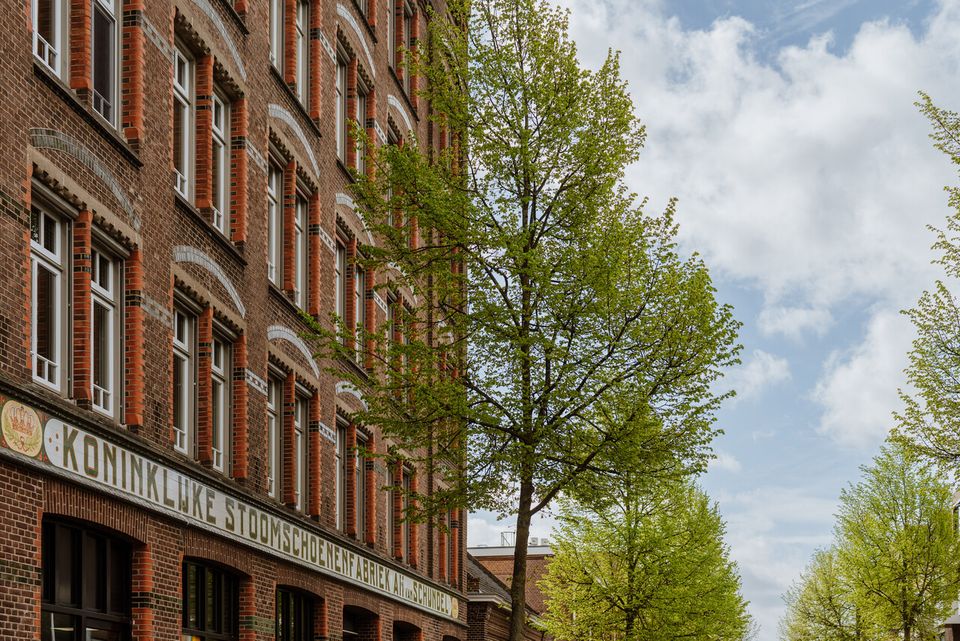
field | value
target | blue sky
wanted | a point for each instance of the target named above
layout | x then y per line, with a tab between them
806	180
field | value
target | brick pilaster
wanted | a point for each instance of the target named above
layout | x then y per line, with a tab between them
456	518
289	456
316	254
239	408
204	132
248	610
398	44
369	119
414	527
350	487
133	340
315	446
370	499
317	54
238	171
371	318
352	115
81	36
82	321
240	6
289	218
142	589
442	536
131	71
373	8
204	386
320	619
414	53
414	232
290	42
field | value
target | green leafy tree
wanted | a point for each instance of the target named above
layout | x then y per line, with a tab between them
930	422
551	329
650	566
820	606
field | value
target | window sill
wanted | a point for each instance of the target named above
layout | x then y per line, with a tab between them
282	295
295	99
87	113
403	92
346	172
215	234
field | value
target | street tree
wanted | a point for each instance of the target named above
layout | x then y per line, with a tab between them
547	332
930	421
820	606
651	565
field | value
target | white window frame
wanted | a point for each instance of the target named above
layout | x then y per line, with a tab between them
274	426
340	467
301	421
52	260
106	106
301	254
276	32
221	161
301	29
341	109
104	289
359	310
184	348
49	53
274	224
220	402
183	101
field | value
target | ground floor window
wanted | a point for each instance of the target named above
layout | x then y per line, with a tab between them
210	603
294	616
86	584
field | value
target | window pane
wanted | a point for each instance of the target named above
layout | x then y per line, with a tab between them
191	610
49	229
103	61
58	627
179	128
102	632
45	324
94	564
119	578
66	559
101	357
218	183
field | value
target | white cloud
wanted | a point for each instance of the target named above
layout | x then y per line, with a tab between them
761	371
483	528
858	387
725	461
793	322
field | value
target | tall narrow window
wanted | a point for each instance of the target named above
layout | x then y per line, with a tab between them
391	33
407	43
182	106
294	616
391	515
341	110
340	281
210	602
86	584
300	251
47	29
48	309
274	396
274	226
184	386
408	524
104	52
302	49
104	332
221	163
220	401
341	489
360	311
276	32
360	482
301	418
361	123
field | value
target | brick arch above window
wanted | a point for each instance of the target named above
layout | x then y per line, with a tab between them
347	388
344	200
282	332
194	256
277	112
211	13
344	13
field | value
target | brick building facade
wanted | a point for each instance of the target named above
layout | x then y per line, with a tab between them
174	196
498	561
488	610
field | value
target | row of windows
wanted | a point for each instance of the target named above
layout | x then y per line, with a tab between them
88	581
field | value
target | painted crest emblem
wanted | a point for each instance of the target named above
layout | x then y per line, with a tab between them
21	428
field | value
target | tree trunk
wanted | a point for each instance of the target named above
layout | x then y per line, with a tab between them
518	586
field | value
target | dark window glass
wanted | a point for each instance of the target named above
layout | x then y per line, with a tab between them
294	617
209	603
104	34
86	583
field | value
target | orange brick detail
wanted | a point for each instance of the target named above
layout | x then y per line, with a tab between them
414	527
289	456
397	507
371	318
142	586
350	320
289	216
81	35
316	62
204	386
239	392
315	454
131	76
82	321
204	133
133	340
350	487
370	498
316	254
352	112
290	43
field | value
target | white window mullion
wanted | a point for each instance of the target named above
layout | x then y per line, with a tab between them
103	287
47	16
182	121
220	170
273	225
273	402
104	53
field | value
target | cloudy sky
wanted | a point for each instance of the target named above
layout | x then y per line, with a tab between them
805	177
